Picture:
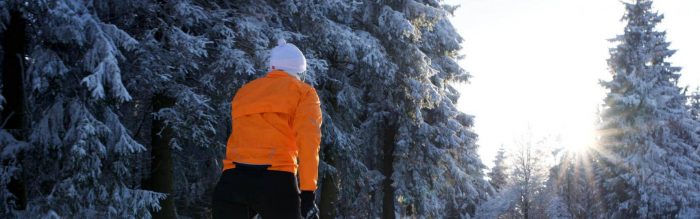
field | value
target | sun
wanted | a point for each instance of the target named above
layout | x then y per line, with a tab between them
579	136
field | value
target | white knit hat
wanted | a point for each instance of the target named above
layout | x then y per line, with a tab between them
287	57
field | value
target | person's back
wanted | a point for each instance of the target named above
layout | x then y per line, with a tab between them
270	116
276	123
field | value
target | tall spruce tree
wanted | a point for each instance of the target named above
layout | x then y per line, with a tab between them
77	155
498	177
649	167
432	138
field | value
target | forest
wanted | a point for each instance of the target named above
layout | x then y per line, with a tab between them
122	109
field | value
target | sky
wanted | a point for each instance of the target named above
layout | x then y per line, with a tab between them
536	64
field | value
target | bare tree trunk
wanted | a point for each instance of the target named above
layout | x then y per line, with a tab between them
14	115
329	187
388	170
526	207
329	197
161	179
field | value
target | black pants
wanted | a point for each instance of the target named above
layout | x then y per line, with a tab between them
244	191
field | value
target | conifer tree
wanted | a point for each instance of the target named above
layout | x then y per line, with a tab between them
498	177
573	182
648	161
694	104
178	70
133	95
525	194
394	144
77	155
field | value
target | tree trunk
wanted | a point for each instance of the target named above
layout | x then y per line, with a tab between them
526	206
14	115
388	170
329	186
161	179
329	197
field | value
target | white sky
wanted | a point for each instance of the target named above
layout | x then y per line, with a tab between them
538	62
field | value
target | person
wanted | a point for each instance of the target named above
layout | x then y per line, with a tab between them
276	133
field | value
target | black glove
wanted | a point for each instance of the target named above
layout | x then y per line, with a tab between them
309	210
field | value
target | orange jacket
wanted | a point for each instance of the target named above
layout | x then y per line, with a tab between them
277	120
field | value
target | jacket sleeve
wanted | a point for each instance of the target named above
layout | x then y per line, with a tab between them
307	126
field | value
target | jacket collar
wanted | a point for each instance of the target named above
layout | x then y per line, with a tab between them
279	73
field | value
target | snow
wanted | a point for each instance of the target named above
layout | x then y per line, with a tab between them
99	73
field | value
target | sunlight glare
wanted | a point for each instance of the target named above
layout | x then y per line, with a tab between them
581	137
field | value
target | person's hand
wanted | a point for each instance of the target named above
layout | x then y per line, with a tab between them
309	210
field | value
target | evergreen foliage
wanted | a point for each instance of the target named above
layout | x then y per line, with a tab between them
648	164
497	176
131	97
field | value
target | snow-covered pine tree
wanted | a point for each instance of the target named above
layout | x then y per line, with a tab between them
556	207
175	75
573	182
432	139
525	194
694	104
529	173
497	176
649	166
694	101
345	61
77	159
382	70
